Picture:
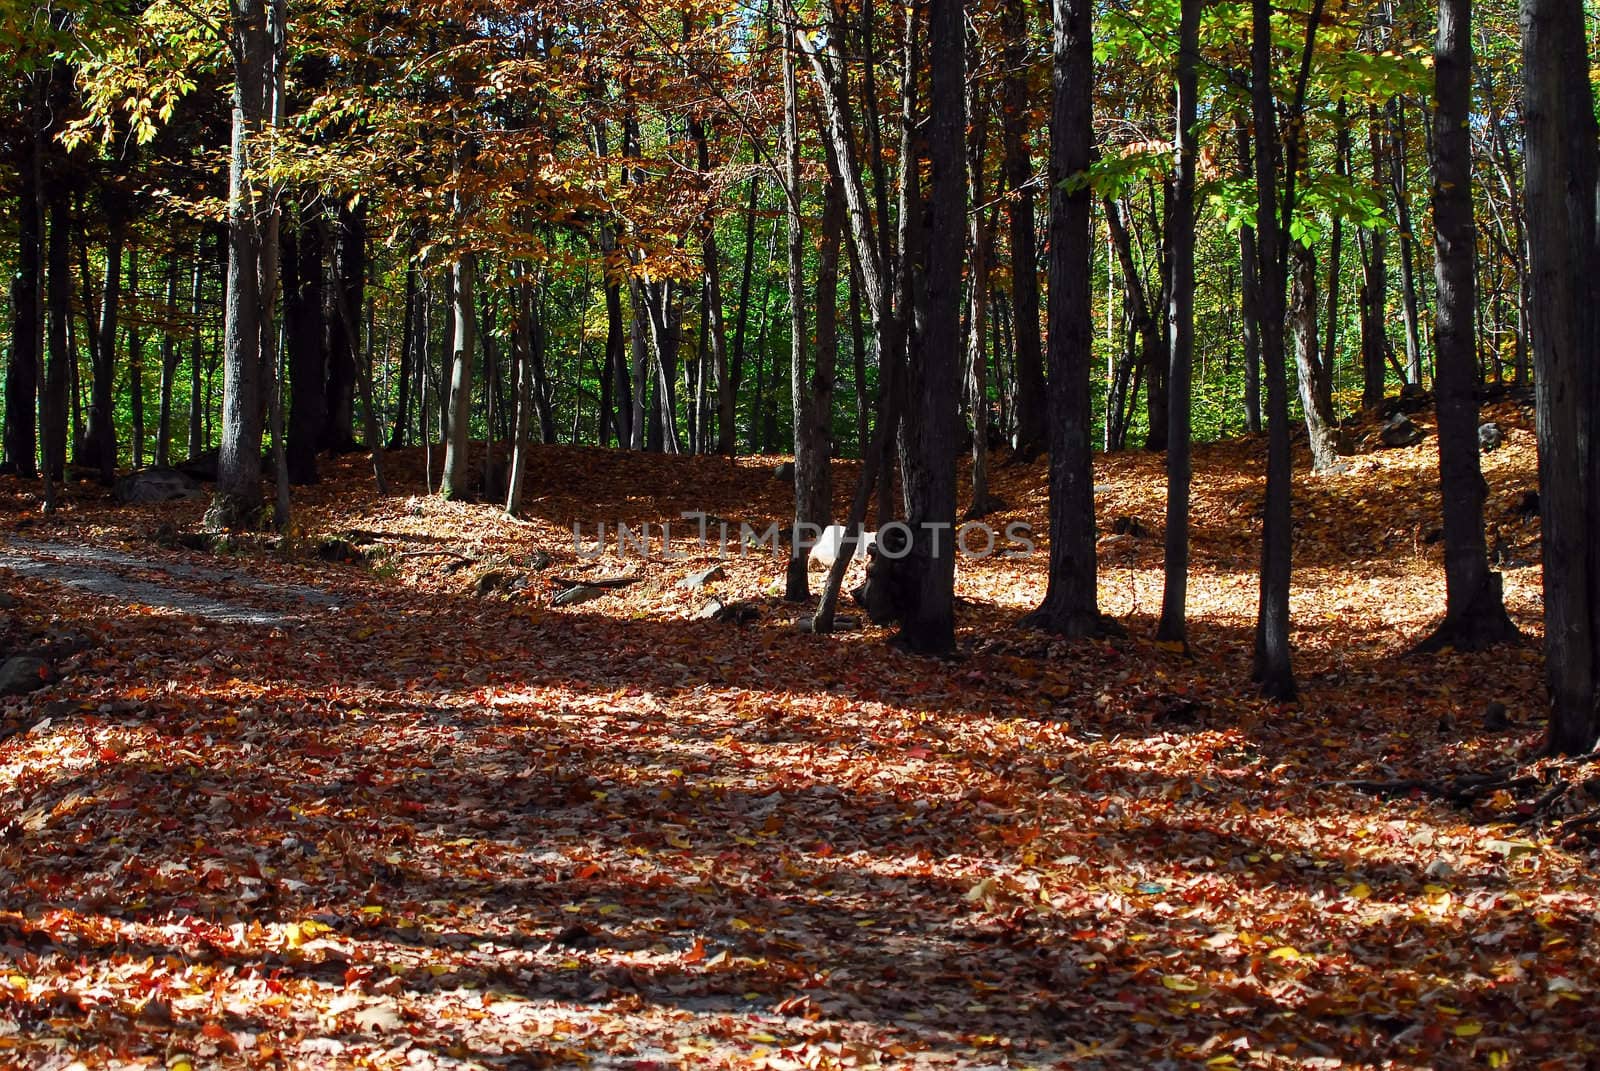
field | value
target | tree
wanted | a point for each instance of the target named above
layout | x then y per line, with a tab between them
1071	601
1017	167
1475	614
258	52
1559	206
1180	331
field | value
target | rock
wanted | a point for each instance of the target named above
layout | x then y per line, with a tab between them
157	485
1490	437
8	601
696	581
1413	399
203	466
1440	869
784	471
825	551
1495	719
23	674
1528	507
581	593
1398	430
539	559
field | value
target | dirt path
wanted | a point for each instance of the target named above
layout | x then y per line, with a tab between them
100	571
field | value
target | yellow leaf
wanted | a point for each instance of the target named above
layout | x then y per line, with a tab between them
1180	983
1360	891
1468	1029
1286	953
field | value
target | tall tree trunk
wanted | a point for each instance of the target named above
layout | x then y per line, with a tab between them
805	451
980	233
197	441
1559	198
101	443
350	274
1375	286
453	484
57	375
1402	206
1273	668
258	56
22	373
1071	601
929	441
408	349
1250	304
1475	616
136	358
1180	332
1032	435
307	335
1315	401
169	362
521	426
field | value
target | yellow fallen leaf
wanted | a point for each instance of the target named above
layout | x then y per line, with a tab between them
1360	891
1180	983
1286	953
1468	1029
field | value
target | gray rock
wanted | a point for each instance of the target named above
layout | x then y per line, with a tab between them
23	674
784	471
1399	430
696	581
1490	437
156	485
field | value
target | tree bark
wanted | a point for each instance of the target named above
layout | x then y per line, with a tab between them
1315	390
258	55
1559	198
22	373
1031	432
453	484
1475	616
1180	332
307	336
1071	602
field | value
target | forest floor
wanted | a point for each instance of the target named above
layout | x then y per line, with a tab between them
276	811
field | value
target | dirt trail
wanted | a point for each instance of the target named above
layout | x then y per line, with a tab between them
93	569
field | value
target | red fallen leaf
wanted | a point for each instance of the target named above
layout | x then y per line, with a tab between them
587	871
108	755
697	953
918	753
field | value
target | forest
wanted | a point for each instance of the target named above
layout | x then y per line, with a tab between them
799	533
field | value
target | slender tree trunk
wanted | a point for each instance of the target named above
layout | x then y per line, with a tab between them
53	410
453	484
258	55
1314	399
102	436
197	441
307	335
1071	602
980	238
350	273
1559	198
1250	304
1031	432
1273	668
135	358
169	363
408	348
1475	615
27	288
1402	203
1180	332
